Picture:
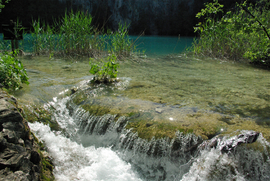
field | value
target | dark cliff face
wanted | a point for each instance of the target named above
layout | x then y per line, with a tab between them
153	17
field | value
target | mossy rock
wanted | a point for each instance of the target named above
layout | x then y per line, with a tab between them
147	126
149	129
40	114
106	81
46	163
152	123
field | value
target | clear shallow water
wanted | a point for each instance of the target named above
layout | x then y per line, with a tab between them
225	87
222	86
159	83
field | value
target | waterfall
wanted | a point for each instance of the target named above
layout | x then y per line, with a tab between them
226	160
89	143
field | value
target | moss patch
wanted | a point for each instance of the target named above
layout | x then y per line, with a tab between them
148	124
96	109
45	164
149	129
156	120
39	114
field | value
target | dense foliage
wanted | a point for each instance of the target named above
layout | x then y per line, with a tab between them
2	5
12	73
241	34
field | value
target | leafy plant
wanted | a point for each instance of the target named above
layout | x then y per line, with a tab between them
2	5
242	34
105	71
12	73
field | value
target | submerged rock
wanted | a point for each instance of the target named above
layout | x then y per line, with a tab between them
226	145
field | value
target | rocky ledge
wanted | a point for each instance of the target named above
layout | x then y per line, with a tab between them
21	157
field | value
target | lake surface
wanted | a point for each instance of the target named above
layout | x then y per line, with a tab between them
166	82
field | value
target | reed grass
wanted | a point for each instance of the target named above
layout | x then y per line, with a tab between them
74	35
5	45
120	42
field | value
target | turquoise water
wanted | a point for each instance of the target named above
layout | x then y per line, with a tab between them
152	45
158	45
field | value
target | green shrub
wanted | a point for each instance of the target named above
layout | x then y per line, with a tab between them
12	73
239	35
105	71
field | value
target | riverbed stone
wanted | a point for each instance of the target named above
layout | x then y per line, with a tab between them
16	176
3	142
10	136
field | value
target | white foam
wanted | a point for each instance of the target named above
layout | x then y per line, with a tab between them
74	162
212	162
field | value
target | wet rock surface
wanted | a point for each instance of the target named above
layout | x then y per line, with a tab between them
19	156
226	145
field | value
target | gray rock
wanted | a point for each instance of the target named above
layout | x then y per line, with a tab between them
17	127
16	176
10	136
3	142
8	115
11	160
19	159
159	110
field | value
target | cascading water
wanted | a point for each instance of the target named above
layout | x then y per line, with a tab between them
100	148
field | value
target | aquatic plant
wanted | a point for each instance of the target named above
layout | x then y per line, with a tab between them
120	42
12	73
104	72
77	34
74	35
242	34
36	34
